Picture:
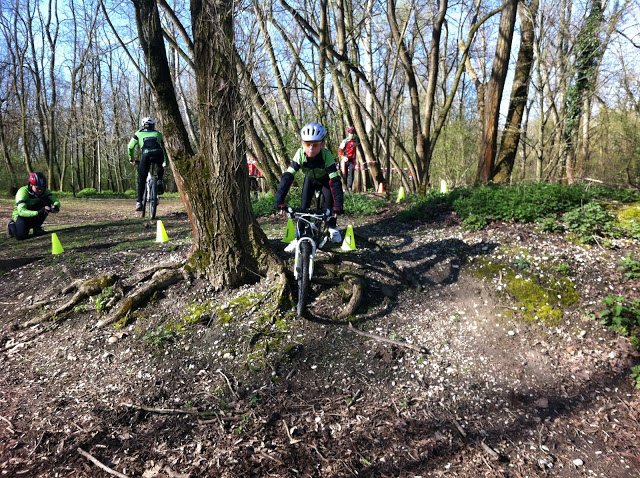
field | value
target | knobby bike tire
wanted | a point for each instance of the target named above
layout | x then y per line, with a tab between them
303	276
144	201
153	200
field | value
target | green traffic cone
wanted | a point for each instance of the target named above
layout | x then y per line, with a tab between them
290	233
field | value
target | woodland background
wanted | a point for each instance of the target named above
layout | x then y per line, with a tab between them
467	92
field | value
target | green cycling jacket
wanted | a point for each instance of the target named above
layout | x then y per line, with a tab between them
27	204
149	141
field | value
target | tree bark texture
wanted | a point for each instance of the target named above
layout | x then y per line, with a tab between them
213	183
495	89
519	94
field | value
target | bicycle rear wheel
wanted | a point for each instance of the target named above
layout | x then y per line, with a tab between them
303	276
145	201
153	200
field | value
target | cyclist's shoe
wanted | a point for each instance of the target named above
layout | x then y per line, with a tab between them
38	231
11	228
291	247
138	206
335	235
160	186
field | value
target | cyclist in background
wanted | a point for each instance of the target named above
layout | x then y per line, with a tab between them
320	174
34	202
151	151
347	152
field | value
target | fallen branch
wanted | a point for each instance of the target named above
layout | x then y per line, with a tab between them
494	454
168	411
160	280
100	465
380	338
89	287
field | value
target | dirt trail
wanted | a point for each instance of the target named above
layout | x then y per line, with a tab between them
244	394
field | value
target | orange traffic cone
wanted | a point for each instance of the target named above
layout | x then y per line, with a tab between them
381	189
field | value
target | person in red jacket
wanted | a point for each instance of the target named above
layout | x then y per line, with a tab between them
348	151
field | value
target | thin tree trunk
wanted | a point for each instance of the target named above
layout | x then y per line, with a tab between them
519	94
495	89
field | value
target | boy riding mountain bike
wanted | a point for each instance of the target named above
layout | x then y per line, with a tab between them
321	174
151	146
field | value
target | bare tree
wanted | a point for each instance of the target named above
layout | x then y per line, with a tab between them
228	245
494	91
501	173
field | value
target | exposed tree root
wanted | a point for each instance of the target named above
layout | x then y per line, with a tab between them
85	289
357	289
161	279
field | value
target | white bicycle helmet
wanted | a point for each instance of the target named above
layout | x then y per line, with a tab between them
312	132
148	121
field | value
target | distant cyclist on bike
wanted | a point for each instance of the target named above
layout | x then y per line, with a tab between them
151	151
34	202
321	174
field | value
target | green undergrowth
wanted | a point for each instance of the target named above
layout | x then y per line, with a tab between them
539	295
588	212
623	316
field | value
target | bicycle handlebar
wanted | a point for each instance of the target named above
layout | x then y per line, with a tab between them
297	212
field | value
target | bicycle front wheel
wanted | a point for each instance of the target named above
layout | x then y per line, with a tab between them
303	276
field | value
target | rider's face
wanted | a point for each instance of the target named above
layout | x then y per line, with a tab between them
312	149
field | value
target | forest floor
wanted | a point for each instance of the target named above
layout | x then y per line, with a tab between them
441	371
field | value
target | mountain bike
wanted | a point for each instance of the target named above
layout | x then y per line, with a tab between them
311	233
150	195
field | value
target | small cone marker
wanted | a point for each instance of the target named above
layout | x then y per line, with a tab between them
290	233
443	186
161	234
349	243
56	247
400	194
381	188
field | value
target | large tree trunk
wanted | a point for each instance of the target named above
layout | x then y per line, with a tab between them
213	183
495	89
519	94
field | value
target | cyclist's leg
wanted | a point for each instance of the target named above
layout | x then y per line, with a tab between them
158	159
308	188
350	171
327	197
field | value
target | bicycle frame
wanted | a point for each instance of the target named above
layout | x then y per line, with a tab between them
151	192
310	227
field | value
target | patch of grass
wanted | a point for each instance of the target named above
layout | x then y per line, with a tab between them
236	307
628	216
635	375
536	297
171	330
102	299
160	337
